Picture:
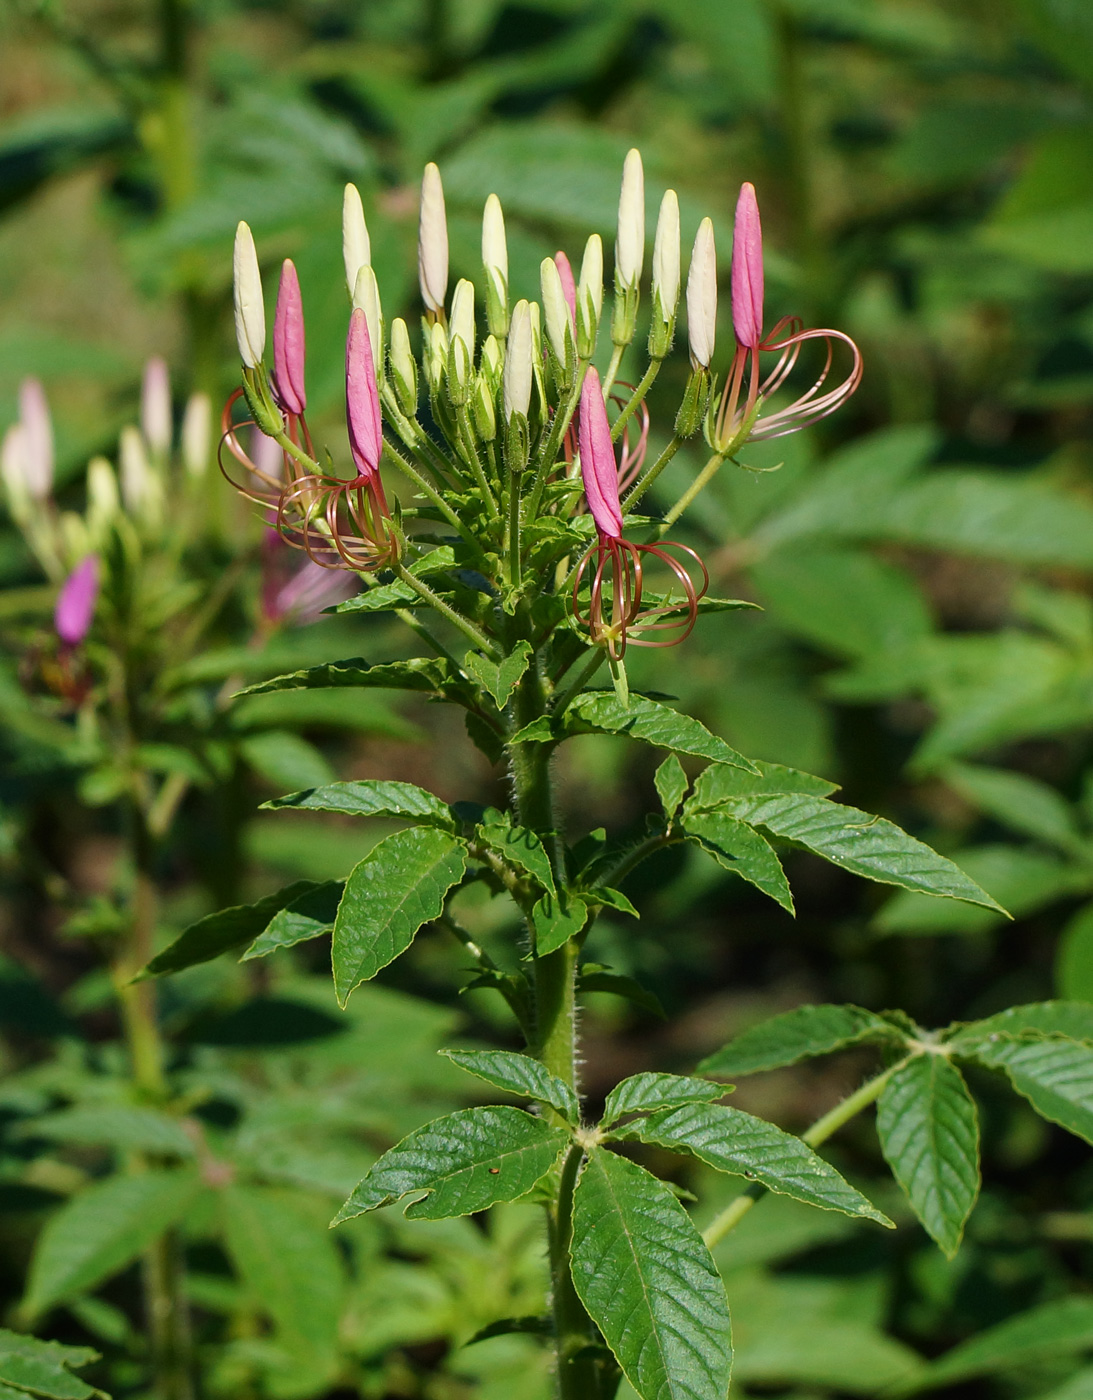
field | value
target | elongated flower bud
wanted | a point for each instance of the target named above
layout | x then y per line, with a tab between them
666	257
518	354
13	470
38	427
492	363
559	327
747	270
630	239
356	245
702	296
155	406
76	602
461	343
598	470
362	400
366	295
495	263
403	367
569	285
432	252
197	422
103	503
590	297
288	342
250	310
140	485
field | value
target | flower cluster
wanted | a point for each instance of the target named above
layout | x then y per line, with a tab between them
495	457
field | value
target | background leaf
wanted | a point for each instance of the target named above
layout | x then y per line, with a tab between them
797	1035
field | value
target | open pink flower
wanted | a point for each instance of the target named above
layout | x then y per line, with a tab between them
739	421
76	602
615	617
288	343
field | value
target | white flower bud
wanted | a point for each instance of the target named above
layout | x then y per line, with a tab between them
518	366
495	262
462	318
590	296
140	486
366	296
432	251
434	353
250	310
155	406
13	469
403	367
356	245
666	257
702	296
630	239
38	426
491	363
197	423
556	311
102	499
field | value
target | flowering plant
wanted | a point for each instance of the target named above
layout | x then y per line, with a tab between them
507	538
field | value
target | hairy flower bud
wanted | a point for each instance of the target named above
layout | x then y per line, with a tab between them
518	367
366	296
432	254
155	406
747	270
288	342
461	342
403	367
665	277
590	297
702	297
599	471
434	354
250	310
630	239
559	327
483	408
76	602
495	263
569	285
362	400
103	503
356	245
197	423
38	426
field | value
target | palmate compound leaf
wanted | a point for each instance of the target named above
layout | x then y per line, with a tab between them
400	885
371	798
869	846
500	678
929	1134
101	1230
648	1281
519	1074
740	848
648	1091
41	1368
732	1141
1034	1021
798	1035
1055	1074
466	1162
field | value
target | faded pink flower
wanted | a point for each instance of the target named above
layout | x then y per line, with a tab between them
76	602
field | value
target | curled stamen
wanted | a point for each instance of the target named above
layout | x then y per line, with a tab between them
339	524
258	484
615	617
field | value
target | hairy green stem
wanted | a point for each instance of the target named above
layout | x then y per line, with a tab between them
820	1131
584	675
613	368
696	487
465	625
563	416
651	475
395	457
635	399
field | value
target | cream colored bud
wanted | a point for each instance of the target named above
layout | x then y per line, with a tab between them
666	256
630	239
702	296
590	295
141	489
432	252
435	353
155	406
366	296
495	252
197	424
492	361
356	245
518	362
250	309
555	310
462	318
13	470
102	499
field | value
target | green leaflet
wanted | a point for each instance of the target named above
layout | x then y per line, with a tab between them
1061	1327
42	1367
466	1162
430	675
518	845
742	1145
1035	1021
371	798
307	917
592	977
671	784
400	885
645	1276
555	923
1018	801
929	1134
228	928
500	678
285	759
1055	1074
741	849
101	1230
122	1126
719	783
797	1035
868	846
519	1074
642	1093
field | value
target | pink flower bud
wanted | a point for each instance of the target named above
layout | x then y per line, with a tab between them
155	406
288	342
747	270
569	286
362	400
598	470
76	602
38	442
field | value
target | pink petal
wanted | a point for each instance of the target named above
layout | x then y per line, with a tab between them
747	270
76	602
362	399
569	287
598	470
288	342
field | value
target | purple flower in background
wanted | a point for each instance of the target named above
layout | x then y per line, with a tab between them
76	602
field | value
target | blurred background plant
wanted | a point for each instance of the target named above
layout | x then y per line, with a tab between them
924	562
